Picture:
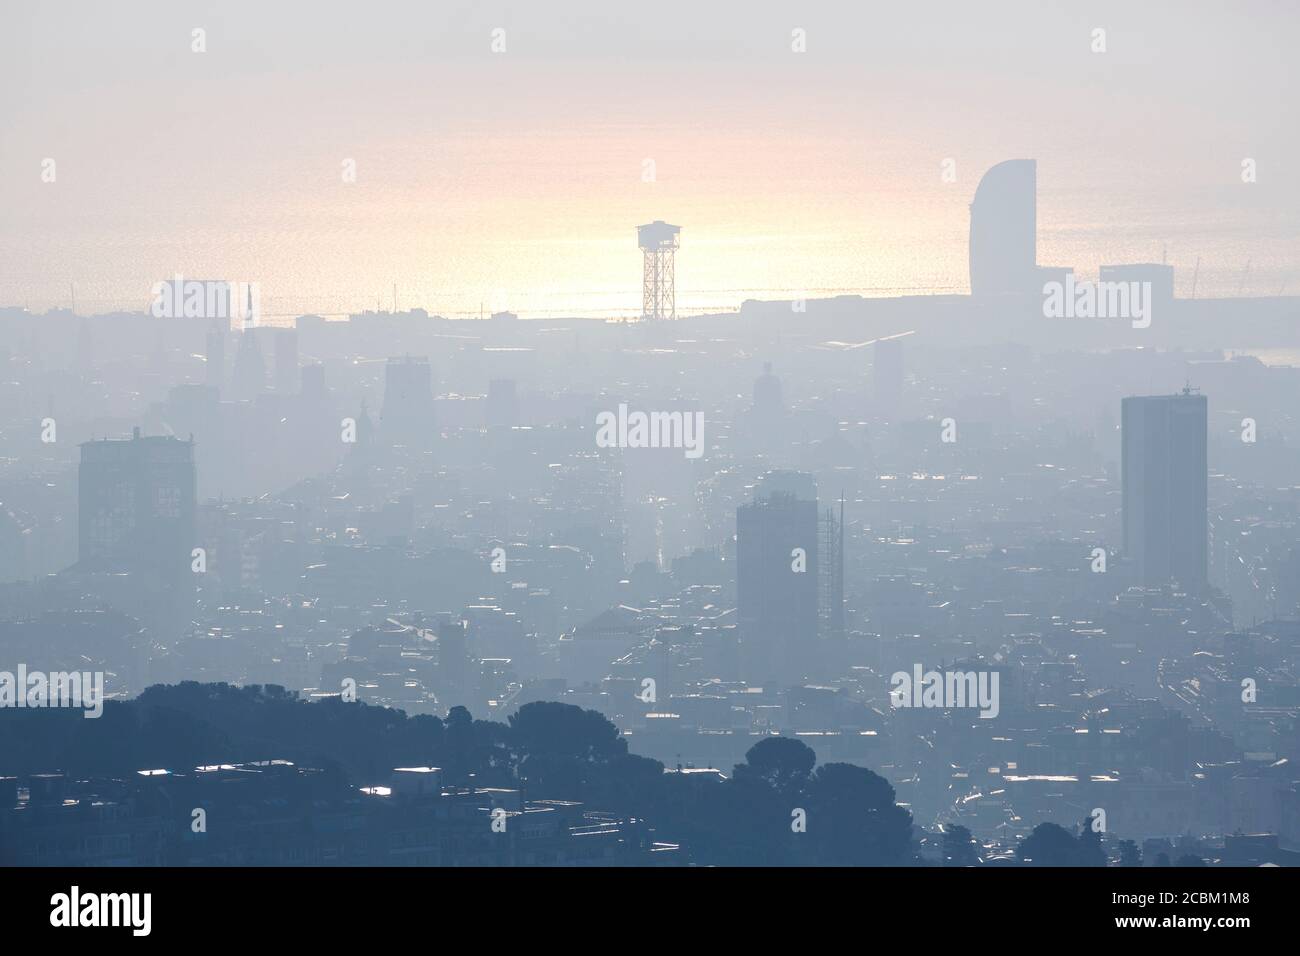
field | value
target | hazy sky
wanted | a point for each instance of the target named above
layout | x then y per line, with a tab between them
515	179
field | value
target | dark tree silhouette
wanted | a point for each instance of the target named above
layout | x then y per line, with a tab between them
1091	852
458	749
550	750
783	762
1049	845
959	847
630	782
546	727
745	822
853	820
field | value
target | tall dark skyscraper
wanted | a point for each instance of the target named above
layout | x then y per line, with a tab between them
769	401
136	504
887	377
312	382
250	369
454	662
215	368
286	361
502	405
1165	476
777	577
408	417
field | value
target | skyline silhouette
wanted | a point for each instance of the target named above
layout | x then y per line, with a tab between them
339	156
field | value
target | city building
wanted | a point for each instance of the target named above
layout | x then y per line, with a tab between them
407	417
1165	477
887	377
1003	230
777	555
136	505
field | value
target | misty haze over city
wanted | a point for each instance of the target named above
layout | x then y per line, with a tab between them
673	436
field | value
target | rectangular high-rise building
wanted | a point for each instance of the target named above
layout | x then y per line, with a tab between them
502	406
136	505
1165	477
454	664
286	361
887	378
408	412
777	551
215	366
